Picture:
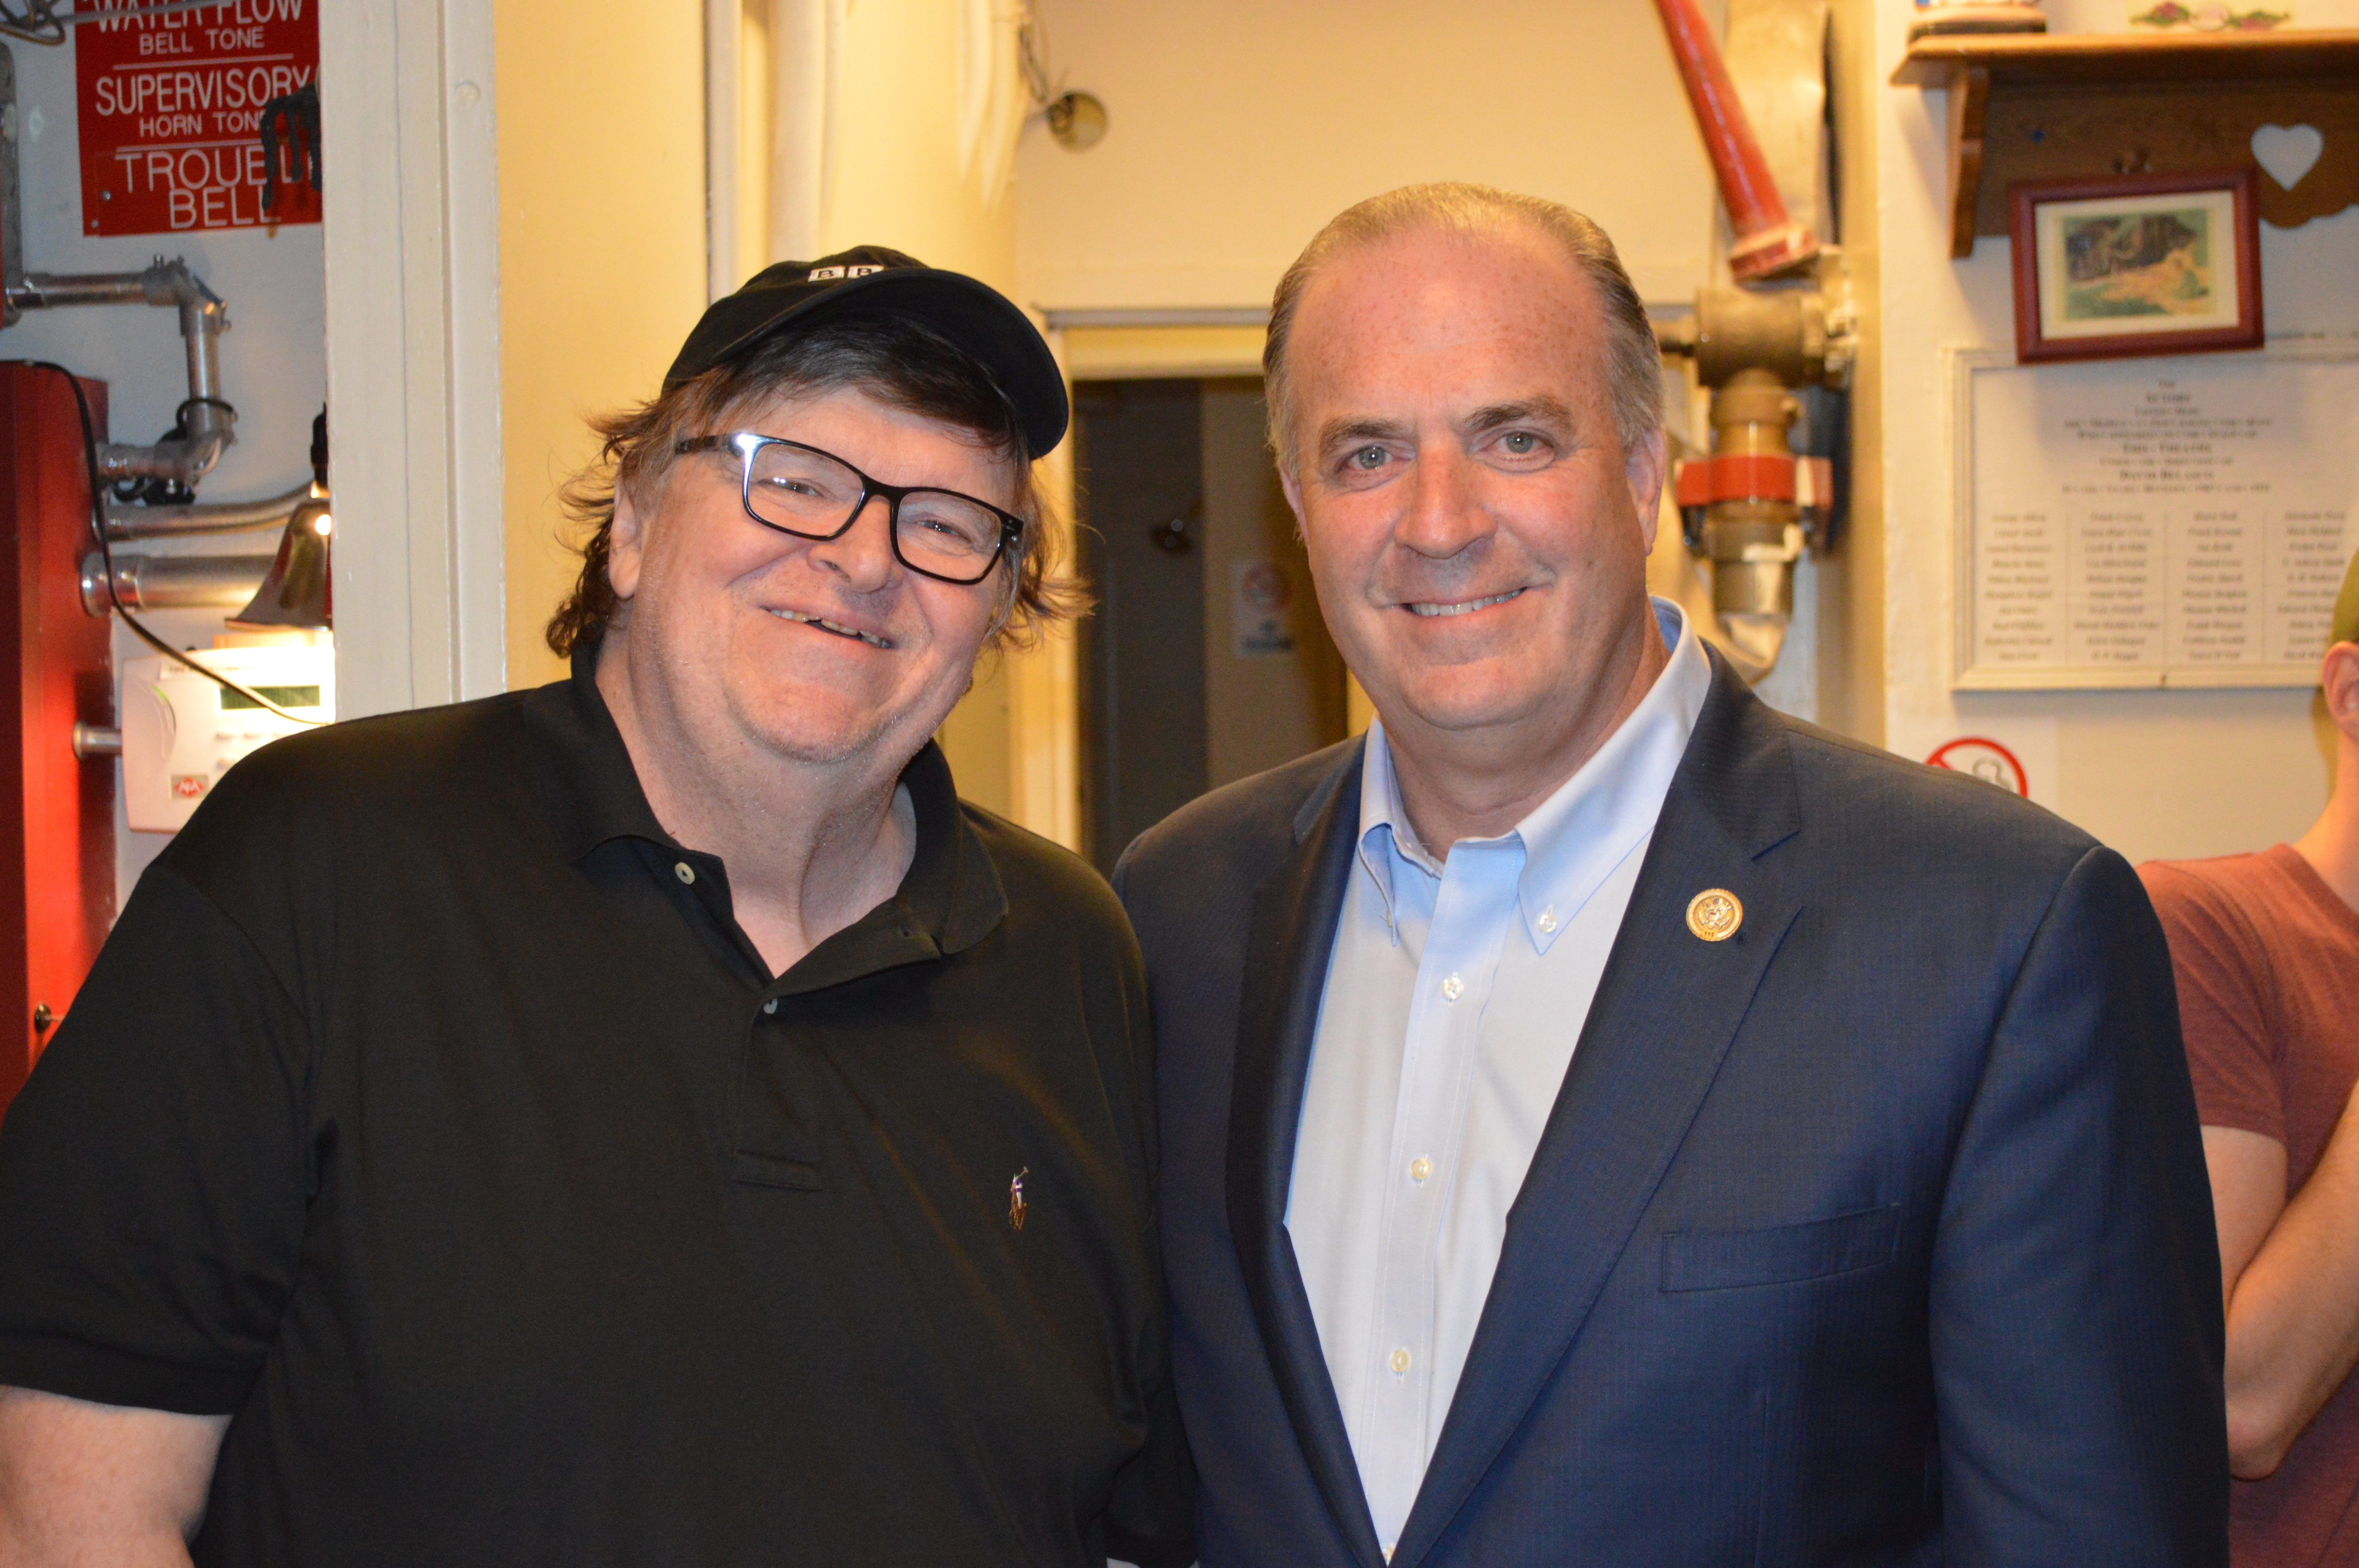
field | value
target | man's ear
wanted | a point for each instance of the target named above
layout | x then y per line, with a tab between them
2338	677
626	544
1645	465
1292	486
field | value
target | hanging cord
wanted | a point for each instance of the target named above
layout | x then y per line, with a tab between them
1032	58
106	555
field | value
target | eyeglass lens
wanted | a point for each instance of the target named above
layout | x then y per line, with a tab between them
810	492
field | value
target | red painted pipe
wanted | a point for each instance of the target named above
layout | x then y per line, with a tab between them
1767	241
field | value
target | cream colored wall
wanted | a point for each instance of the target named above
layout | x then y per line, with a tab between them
602	254
603	240
2154	773
898	184
1237	127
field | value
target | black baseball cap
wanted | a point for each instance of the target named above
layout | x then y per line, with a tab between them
970	313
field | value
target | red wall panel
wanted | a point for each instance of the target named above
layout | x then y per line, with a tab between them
56	813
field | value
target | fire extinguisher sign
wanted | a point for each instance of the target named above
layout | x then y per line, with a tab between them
171	110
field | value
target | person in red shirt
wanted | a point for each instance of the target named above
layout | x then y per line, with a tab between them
2266	947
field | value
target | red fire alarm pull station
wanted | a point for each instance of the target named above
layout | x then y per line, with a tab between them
171	110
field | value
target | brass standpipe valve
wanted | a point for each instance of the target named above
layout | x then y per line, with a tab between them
1752	506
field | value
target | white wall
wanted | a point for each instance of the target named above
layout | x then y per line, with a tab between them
273	360
1238	127
274	367
2154	773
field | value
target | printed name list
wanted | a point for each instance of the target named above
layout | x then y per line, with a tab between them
2141	526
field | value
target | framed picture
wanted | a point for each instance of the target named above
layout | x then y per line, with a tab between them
2141	263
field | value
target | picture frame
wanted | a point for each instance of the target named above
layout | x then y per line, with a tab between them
2135	265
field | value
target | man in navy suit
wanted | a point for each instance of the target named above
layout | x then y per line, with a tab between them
1607	1122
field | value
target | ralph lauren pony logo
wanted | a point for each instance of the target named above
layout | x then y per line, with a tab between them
1016	1206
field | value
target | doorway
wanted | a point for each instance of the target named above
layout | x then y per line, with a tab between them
1206	660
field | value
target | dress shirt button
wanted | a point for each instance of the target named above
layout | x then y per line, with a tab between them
1548	919
1400	1362
1420	1168
1453	988
684	871
771	1005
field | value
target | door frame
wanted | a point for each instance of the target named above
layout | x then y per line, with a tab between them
410	230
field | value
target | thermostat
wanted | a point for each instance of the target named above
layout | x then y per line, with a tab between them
181	731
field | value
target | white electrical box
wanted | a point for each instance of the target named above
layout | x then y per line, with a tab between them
181	731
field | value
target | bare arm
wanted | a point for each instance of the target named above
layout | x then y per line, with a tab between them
2290	1279
89	1485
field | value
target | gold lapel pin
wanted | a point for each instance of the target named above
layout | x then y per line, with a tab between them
1015	1204
1714	915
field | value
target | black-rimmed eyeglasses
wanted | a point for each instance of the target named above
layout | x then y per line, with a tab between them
813	494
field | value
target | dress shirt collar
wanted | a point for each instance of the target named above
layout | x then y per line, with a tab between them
1572	841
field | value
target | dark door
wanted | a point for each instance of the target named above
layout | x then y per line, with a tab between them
1206	661
1139	456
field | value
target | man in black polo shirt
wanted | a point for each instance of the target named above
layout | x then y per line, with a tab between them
648	1119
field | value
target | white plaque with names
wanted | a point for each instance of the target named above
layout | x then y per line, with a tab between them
2175	523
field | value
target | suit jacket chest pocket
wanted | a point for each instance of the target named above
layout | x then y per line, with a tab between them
1781	1254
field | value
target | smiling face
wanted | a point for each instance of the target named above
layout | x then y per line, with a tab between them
739	638
1476	530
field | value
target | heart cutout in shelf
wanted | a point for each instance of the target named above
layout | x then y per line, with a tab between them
2287	152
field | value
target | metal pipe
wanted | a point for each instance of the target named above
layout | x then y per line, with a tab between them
173	582
53	291
96	740
227	517
209	422
12	203
1767	241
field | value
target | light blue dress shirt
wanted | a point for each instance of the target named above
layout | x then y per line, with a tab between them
1454	996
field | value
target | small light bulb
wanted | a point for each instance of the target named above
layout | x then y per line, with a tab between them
323	525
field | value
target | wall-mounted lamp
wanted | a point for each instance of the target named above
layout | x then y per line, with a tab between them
1078	121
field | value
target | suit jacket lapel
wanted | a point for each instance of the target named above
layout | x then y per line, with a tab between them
1664	1014
1292	933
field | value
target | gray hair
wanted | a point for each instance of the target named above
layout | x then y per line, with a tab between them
1632	363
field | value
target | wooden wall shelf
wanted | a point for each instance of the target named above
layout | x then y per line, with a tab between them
2029	106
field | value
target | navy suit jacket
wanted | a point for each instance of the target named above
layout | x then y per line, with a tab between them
1878	1233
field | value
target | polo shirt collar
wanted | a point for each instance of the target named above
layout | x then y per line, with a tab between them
589	792
1572	841
585	786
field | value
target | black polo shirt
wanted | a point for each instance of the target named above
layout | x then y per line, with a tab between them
428	1113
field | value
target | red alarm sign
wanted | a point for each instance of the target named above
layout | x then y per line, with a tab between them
171	111
1986	759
